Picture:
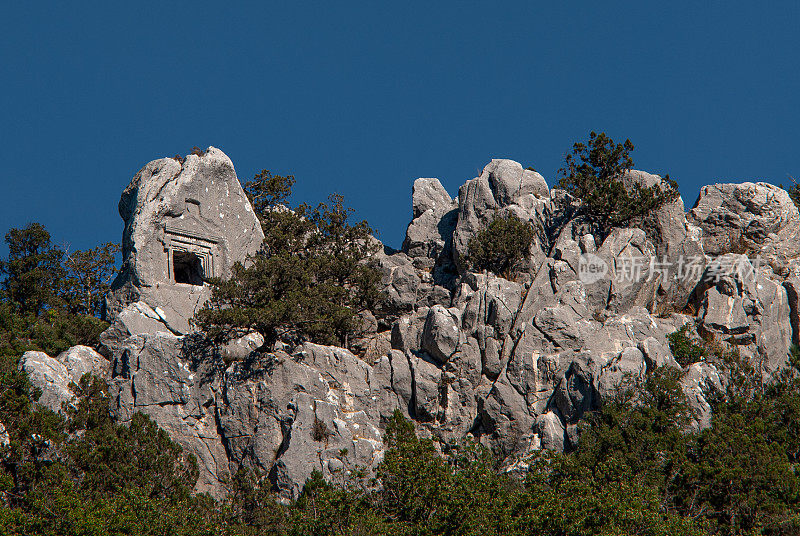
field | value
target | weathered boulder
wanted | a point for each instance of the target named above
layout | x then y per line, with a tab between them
507	425
576	393
408	283
757	219
407	331
490	301
324	438
564	328
427	381
54	375
440	335
156	374
460	389
724	313
429	194
628	254
184	222
317	409
396	365
622	272
80	360
657	353
551	431
50	376
400	282
677	243
429	235
320	407
699	382
743	306
257	409
629	365
502	185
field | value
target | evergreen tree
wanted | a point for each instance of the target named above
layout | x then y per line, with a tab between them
88	278
310	278
593	173
34	275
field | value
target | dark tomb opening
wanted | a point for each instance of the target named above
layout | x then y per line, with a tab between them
187	267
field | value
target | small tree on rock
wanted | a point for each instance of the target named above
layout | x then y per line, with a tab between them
593	173
793	191
502	246
310	279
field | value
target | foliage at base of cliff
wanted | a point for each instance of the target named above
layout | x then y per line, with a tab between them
637	471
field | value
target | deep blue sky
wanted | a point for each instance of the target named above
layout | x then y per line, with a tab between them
363	99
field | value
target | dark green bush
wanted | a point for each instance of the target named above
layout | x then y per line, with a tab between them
502	246
685	350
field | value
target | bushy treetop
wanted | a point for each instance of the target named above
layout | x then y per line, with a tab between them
310	279
593	172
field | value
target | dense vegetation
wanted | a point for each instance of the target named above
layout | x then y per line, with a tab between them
310	279
594	173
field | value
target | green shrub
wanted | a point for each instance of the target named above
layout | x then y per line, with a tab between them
320	431
502	246
34	273
685	350
88	278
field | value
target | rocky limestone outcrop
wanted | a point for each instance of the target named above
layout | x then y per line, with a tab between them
184	221
156	374
282	414
676	239
743	305
699	381
515	364
319	408
752	218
